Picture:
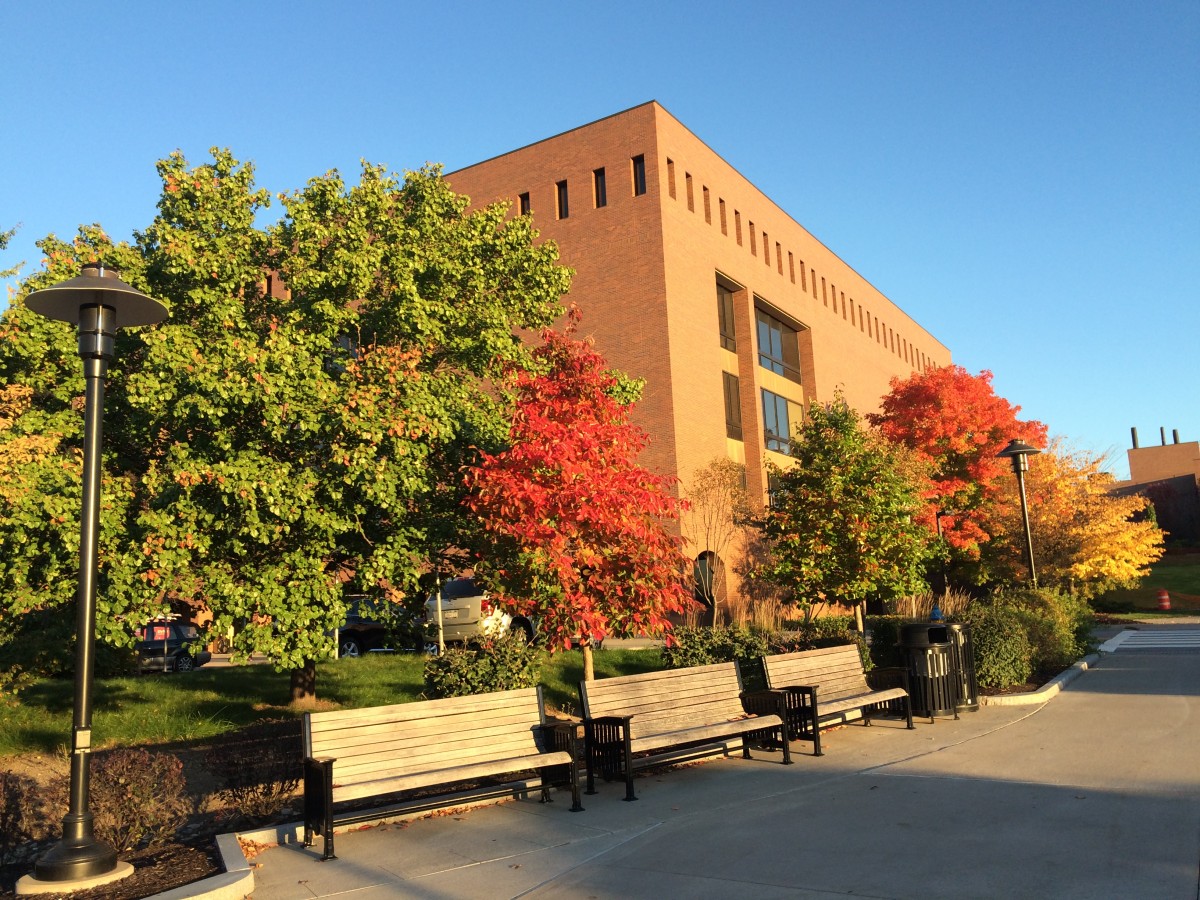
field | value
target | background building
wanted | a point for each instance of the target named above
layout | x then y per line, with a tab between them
690	277
1169	475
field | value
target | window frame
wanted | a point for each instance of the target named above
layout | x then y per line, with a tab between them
784	359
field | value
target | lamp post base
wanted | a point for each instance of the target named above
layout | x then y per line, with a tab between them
32	884
77	856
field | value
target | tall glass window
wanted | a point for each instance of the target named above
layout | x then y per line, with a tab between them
725	317
778	424
599	190
778	348
733	406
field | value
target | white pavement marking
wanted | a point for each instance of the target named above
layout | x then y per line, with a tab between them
1165	639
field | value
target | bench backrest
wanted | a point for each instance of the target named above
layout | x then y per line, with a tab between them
659	701
835	671
409	738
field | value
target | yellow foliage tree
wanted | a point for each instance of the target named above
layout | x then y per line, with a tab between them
1086	539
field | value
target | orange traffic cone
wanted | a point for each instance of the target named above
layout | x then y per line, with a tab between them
1164	599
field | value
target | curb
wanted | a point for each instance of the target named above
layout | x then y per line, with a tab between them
235	883
1049	689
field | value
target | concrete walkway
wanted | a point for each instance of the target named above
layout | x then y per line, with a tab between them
1093	795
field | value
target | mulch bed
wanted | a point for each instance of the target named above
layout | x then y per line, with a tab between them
156	870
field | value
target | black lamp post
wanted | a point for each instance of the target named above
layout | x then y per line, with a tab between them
1019	452
98	302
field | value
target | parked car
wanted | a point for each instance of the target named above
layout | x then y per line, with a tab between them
170	647
468	614
369	628
361	633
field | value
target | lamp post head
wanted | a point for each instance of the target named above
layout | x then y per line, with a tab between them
1019	452
97	286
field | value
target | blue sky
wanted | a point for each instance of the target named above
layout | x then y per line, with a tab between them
1023	178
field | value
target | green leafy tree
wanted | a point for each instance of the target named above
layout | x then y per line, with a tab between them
5	238
841	526
296	425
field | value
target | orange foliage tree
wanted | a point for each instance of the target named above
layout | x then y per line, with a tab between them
955	422
1086	539
577	535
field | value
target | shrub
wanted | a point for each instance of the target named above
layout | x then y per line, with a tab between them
827	631
1002	650
257	768
885	638
502	663
702	646
29	812
138	798
1058	627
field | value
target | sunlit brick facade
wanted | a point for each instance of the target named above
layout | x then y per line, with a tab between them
690	277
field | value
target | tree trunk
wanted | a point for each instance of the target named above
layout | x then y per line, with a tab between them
589	665
304	684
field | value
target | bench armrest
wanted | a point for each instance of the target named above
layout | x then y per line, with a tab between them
895	676
563	736
765	703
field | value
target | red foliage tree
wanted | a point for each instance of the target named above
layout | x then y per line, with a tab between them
955	422
578	534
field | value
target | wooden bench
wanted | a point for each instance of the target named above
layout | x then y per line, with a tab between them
355	754
823	686
658	711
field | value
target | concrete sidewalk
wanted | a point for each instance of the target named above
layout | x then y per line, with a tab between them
1093	795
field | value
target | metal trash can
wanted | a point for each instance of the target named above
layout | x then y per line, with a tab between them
933	686
962	661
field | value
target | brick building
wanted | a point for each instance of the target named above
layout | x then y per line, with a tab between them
1169	475
690	277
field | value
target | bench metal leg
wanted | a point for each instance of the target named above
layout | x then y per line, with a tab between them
629	794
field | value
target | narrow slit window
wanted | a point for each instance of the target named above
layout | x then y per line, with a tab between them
523	201
599	189
791	267
779	258
737	226
707	206
671	178
724	225
753	240
560	192
639	175
687	180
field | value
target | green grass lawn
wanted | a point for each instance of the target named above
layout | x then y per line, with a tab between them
1179	574
159	709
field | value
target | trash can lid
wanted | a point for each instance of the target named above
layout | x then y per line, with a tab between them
923	634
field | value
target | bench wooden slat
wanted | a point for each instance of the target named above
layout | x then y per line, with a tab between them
434	777
664	711
360	753
824	684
